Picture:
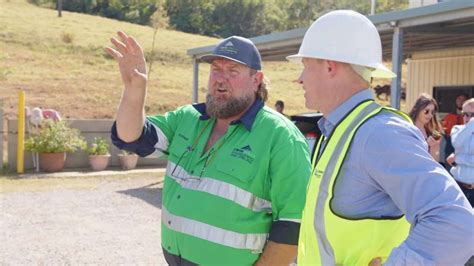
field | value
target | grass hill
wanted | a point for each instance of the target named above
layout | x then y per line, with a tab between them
61	64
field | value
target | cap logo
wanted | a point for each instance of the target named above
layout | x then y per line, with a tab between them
228	48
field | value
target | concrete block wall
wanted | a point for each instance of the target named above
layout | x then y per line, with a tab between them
79	159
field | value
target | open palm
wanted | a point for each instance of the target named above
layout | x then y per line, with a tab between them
129	55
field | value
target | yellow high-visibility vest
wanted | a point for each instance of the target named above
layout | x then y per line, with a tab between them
327	238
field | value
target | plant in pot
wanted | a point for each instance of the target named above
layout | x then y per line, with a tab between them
128	160
52	140
99	154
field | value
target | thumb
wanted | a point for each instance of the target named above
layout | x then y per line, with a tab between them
136	72
376	261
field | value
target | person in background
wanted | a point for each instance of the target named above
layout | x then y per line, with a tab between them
462	159
423	114
376	195
279	106
236	169
451	119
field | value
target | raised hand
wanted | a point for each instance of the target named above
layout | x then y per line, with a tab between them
129	55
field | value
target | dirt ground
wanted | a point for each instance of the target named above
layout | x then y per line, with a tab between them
87	220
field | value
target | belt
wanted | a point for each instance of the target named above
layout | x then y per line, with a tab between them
465	185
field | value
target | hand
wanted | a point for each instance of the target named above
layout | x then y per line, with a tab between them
376	261
451	158
131	61
432	141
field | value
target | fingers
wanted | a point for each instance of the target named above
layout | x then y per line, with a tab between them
119	45
130	43
376	261
123	36
135	45
116	55
127	41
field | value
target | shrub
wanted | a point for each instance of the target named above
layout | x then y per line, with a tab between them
52	137
99	146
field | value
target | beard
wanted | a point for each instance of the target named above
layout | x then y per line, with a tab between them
227	108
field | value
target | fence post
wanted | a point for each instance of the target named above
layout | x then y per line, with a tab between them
20	158
2	120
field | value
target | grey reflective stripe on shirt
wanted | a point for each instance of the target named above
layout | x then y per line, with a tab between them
326	251
254	242
162	143
217	188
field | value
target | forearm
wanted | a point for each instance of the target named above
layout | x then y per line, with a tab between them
130	114
277	254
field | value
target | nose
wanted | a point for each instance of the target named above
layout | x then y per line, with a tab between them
299	80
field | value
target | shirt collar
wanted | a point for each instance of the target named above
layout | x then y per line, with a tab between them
246	119
328	122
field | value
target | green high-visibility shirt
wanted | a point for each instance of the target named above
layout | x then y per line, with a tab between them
219	205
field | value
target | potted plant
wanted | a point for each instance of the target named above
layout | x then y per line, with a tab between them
99	154
52	140
128	160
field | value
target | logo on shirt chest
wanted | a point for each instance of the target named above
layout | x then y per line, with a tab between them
244	153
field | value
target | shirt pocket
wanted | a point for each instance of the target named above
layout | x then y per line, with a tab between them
242	168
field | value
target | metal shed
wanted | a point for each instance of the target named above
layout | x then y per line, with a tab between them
403	33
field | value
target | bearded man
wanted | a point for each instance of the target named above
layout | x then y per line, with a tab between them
237	170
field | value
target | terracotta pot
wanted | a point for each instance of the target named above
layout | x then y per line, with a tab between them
52	162
99	162
128	161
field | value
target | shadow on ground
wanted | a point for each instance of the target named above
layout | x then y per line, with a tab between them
151	193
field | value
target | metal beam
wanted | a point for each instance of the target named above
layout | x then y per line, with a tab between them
195	80
469	29
397	57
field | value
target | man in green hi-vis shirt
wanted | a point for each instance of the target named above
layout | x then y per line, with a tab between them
237	170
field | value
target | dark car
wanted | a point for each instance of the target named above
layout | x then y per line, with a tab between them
307	123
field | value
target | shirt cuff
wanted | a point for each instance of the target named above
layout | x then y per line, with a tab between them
284	232
143	146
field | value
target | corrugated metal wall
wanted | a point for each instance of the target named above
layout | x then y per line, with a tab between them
438	68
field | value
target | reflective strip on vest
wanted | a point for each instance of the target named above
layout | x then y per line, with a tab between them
326	252
217	188
254	242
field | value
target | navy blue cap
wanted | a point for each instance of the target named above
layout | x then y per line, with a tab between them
237	49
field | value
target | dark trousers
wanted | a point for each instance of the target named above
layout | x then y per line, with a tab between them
469	193
174	260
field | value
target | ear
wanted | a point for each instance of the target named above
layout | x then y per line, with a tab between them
258	78
331	67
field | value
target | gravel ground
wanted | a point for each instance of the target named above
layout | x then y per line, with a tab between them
113	220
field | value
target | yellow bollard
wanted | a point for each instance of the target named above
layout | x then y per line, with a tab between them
21	133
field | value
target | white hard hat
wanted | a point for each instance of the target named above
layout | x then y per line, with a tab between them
344	36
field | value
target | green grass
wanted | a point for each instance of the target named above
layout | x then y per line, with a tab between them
61	64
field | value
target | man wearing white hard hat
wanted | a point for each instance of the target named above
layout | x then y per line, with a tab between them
375	195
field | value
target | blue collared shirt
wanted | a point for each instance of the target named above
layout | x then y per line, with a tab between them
389	172
462	137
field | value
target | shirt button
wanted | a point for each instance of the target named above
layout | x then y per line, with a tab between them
169	222
192	172
169	247
179	196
